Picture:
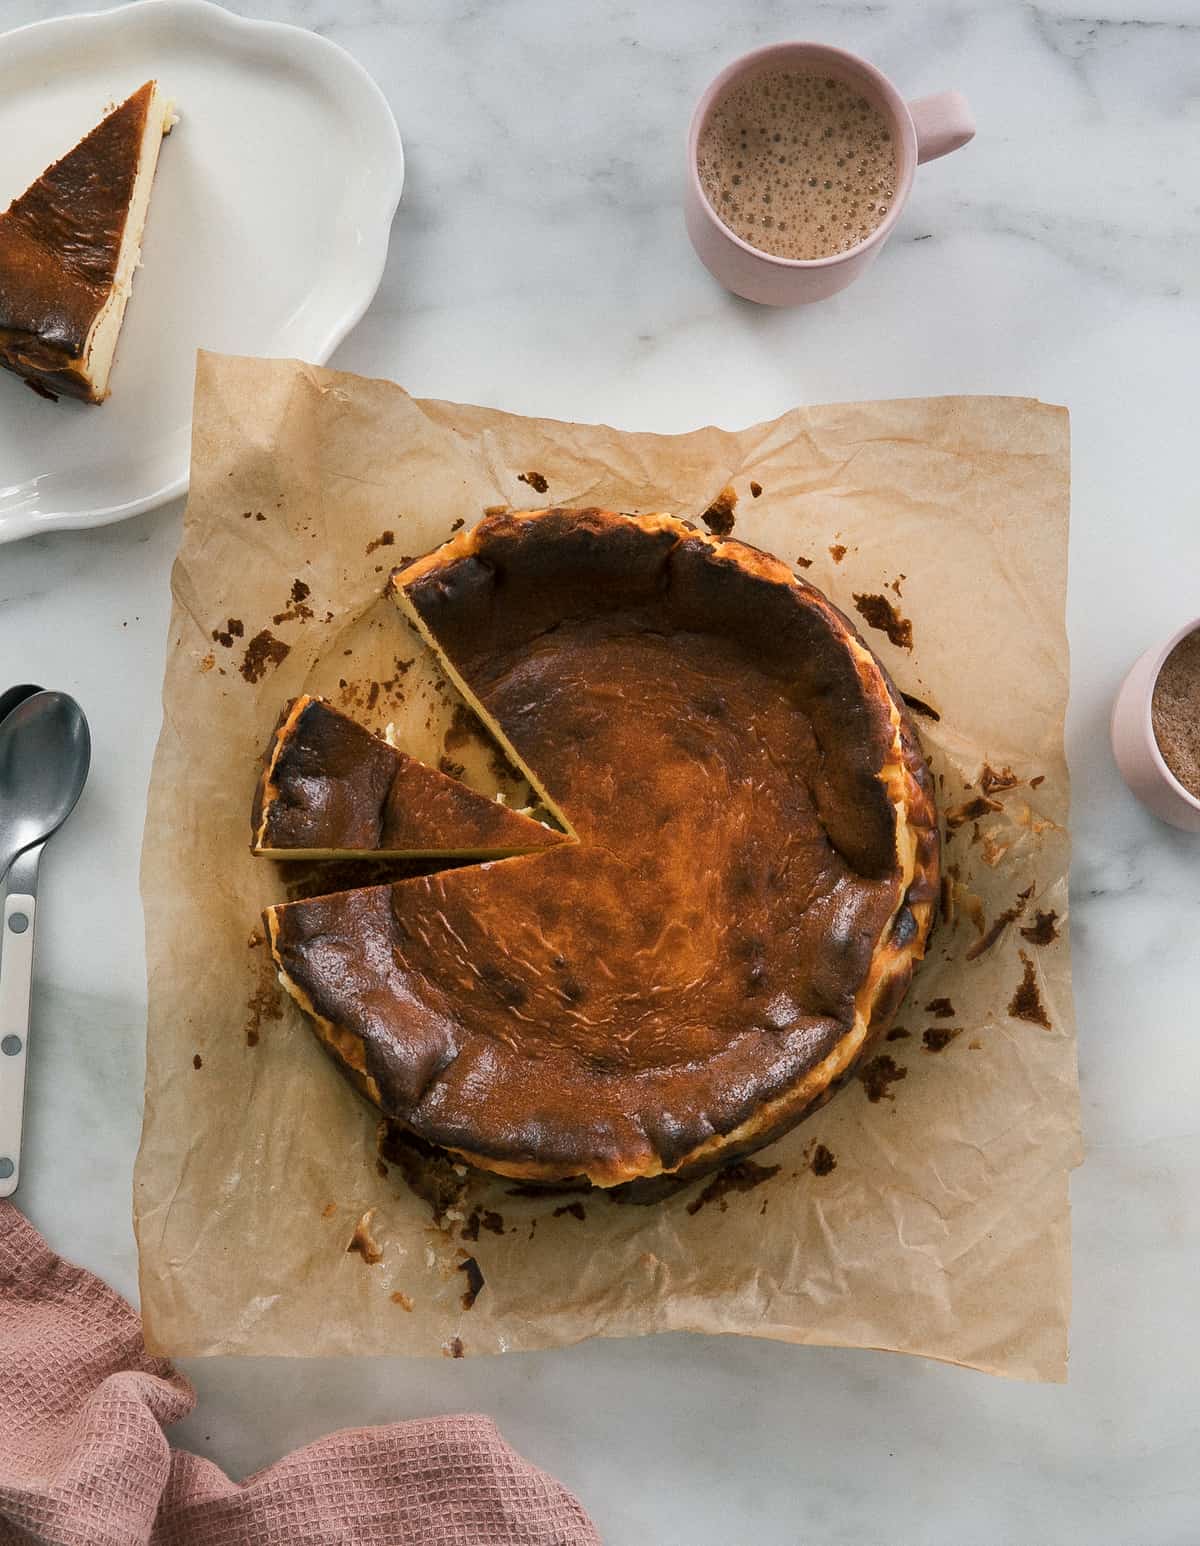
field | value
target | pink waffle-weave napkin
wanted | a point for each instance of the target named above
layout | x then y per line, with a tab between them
84	1461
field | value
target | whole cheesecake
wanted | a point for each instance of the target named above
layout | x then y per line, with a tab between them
753	881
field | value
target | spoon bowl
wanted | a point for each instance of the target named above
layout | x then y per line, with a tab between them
45	752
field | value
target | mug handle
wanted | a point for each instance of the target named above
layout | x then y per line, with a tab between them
943	123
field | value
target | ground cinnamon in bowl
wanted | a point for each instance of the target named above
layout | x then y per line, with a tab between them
1175	712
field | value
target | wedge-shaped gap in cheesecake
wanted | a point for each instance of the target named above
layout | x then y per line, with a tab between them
377	670
396	587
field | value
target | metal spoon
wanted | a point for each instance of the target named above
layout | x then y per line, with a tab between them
43	740
45	751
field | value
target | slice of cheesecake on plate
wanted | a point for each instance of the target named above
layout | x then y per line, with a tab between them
68	249
330	789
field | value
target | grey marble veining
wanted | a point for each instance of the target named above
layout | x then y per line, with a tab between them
539	263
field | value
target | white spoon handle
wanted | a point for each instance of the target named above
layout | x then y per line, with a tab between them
16	981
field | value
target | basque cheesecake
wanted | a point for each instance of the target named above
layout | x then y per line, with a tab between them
69	246
330	789
753	881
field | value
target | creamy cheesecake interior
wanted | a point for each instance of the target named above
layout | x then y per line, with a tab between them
101	345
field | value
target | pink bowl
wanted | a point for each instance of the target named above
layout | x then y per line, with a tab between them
1136	748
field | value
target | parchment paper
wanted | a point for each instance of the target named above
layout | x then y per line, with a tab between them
941	1226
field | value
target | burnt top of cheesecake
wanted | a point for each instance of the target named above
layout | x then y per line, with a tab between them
60	241
538	614
757	852
329	785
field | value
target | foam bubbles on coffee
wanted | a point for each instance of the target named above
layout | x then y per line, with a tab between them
797	164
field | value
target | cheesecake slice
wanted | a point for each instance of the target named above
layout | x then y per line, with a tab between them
331	790
68	249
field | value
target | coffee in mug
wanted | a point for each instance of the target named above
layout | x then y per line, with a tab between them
798	164
837	207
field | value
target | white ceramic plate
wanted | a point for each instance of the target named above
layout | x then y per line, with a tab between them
267	235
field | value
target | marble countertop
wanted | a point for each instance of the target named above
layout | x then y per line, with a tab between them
539	263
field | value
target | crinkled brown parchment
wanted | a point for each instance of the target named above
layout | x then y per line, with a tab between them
925	1209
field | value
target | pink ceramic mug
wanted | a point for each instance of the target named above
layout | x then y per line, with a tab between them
1135	745
921	131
